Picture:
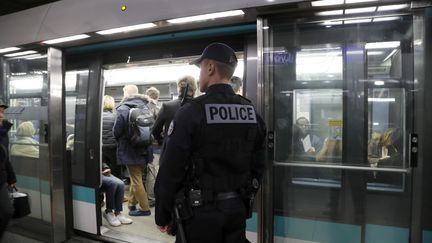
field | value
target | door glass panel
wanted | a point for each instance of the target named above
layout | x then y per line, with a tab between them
27	82
341	103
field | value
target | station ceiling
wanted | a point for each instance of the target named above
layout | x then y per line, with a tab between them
11	6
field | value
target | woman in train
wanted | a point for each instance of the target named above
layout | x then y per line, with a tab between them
24	144
109	144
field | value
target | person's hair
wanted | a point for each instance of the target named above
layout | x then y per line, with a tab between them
108	103
153	93
236	83
183	82
225	71
302	118
130	89
25	129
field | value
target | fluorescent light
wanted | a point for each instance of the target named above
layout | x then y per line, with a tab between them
382	45
266	27
66	39
376	124
20	53
382	19
126	29
357	21
9	49
329	23
381	99
328	13
206	16
390	55
360	10
379	83
326	3
359	1
392	7
375	53
33	57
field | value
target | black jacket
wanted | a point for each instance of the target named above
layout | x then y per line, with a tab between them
184	139
6	171
4	129
108	140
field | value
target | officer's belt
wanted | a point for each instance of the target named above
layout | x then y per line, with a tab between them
226	195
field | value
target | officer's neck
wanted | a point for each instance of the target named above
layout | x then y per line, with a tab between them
217	81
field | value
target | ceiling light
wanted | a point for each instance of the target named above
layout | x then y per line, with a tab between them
390	55
66	39
360	10
9	49
328	13
332	23
382	45
126	29
382	99
357	21
206	16
359	1
379	83
375	53
382	19
266	27
33	57
20	53
392	7
326	3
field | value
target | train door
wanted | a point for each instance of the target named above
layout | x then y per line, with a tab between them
341	115
31	83
83	121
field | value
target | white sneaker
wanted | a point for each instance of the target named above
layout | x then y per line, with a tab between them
112	219
123	219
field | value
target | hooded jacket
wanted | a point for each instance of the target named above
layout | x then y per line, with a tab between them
126	153
24	140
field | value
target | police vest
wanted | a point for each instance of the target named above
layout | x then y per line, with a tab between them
226	142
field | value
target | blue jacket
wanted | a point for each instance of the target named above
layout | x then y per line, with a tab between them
126	154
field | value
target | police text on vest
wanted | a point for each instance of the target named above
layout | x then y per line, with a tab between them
230	113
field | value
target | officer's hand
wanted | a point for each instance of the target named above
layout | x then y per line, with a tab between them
164	229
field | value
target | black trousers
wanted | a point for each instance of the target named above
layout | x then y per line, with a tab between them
221	222
6	209
109	156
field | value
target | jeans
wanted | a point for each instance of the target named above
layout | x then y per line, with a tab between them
6	209
114	191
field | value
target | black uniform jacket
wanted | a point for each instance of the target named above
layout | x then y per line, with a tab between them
179	147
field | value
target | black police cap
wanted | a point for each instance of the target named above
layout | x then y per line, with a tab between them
3	104
219	52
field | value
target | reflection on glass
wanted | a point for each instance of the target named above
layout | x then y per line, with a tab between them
384	60
318	63
385	145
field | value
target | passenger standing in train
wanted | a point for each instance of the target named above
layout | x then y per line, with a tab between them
237	85
134	158
153	94
214	157
109	143
169	109
7	179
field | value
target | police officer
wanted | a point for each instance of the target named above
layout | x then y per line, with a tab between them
214	151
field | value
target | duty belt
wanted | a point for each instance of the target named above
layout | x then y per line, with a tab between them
226	195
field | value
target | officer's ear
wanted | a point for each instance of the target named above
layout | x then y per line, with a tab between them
211	68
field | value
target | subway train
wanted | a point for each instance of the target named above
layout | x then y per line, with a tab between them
341	84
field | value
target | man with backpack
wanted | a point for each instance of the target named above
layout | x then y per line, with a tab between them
132	130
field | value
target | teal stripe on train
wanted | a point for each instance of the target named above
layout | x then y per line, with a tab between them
231	30
83	194
427	236
33	183
252	223
382	234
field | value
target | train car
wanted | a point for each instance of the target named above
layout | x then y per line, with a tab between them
342	86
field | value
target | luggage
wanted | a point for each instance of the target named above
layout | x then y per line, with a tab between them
21	203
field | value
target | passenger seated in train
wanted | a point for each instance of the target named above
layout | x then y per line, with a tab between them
237	85
385	149
114	191
24	142
306	144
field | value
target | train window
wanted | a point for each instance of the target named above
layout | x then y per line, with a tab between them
318	62
384	60
386	135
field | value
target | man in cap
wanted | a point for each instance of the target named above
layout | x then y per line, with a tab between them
7	175
214	151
